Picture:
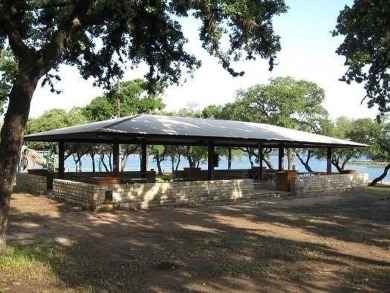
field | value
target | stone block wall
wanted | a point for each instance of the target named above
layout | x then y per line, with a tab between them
147	195
150	176
218	174
228	174
77	193
34	184
328	184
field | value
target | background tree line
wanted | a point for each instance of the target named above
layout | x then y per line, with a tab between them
284	101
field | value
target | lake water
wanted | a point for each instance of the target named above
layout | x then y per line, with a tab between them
133	164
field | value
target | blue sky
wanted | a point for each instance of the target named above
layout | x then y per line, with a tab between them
308	52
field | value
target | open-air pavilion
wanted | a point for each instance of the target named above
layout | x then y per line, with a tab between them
147	130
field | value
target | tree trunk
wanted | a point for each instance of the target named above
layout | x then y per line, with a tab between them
250	159
5	202
33	64
110	161
104	163
158	162
178	163
77	162
305	163
268	163
124	160
384	174
290	159
337	167
335	162
11	141
191	163
93	163
340	165
172	165
345	162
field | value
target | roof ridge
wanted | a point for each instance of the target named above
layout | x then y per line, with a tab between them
121	119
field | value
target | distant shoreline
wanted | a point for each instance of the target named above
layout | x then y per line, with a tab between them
368	163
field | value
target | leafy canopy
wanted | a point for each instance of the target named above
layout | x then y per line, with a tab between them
53	119
8	71
366	47
362	130
284	102
99	36
103	38
126	99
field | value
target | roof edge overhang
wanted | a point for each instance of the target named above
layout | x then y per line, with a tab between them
154	129
105	138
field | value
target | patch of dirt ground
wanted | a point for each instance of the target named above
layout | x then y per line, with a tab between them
337	243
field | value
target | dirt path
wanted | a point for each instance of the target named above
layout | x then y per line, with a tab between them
328	244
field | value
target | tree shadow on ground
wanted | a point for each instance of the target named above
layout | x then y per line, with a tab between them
354	218
249	247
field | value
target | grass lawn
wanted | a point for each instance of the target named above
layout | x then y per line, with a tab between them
337	243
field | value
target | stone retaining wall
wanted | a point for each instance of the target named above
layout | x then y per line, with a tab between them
77	193
147	195
34	184
150	176
218	174
328	184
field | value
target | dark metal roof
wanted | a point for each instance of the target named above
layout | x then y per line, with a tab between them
154	129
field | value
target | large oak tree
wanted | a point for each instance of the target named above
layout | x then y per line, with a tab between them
284	102
98	36
365	27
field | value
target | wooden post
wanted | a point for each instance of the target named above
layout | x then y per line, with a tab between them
144	158
61	160
281	157
115	155
329	161
210	161
229	158
260	161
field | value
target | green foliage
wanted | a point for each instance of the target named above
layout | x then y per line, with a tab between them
8	72
174	154
101	35
53	119
380	149
100	109
104	38
128	98
366	28
367	131
363	130
196	155
190	110
235	152
212	111
284	102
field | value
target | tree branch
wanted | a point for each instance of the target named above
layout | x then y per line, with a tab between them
52	51
19	48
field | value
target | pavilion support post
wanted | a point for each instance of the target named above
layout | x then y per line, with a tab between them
329	161
144	159
281	158
210	161
115	159
229	158
260	161
61	160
